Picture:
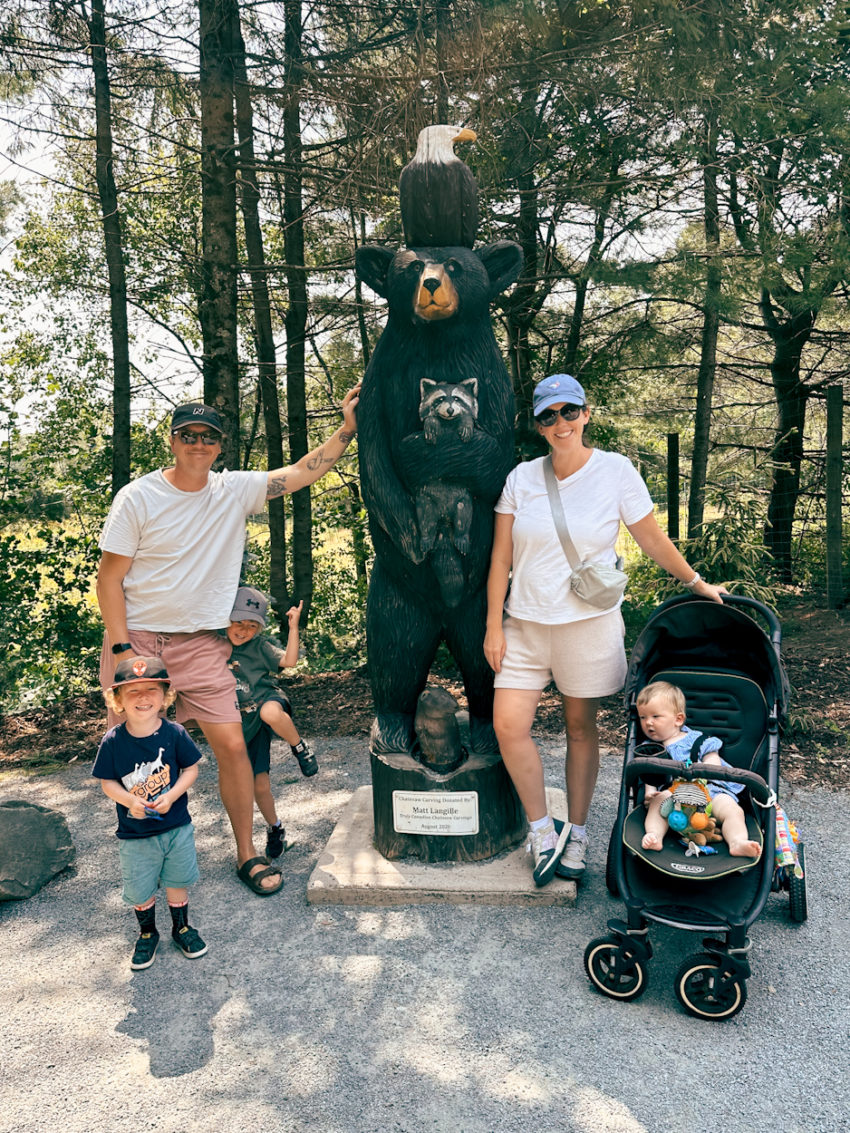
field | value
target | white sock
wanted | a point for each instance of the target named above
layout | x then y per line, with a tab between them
539	823
578	833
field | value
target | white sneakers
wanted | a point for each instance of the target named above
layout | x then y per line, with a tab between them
547	845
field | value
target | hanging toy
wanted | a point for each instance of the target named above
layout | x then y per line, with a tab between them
786	844
688	814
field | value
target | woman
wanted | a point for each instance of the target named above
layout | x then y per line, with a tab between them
548	632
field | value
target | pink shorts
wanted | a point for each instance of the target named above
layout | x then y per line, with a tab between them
585	659
197	666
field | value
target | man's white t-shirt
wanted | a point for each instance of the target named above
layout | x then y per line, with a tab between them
186	548
606	491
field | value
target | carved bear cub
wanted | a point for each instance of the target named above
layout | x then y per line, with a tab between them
438	325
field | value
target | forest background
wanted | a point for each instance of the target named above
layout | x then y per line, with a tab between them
677	175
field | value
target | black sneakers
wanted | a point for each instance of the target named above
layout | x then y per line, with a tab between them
306	759
275	844
145	950
188	940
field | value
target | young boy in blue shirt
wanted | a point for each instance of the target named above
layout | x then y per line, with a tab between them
256	660
146	765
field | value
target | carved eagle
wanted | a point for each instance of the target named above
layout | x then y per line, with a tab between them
439	195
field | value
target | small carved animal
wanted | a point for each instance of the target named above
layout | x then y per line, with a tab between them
437	729
444	403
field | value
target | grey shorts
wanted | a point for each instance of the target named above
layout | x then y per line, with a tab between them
585	659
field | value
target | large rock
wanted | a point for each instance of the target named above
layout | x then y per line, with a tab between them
35	845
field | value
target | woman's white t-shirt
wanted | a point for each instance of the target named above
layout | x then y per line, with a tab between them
606	491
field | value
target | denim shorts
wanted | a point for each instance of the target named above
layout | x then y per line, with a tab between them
168	860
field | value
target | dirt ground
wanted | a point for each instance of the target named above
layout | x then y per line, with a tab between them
815	749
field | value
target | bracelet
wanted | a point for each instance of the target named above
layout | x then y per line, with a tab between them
690	585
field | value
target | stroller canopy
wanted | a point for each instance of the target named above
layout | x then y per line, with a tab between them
687	632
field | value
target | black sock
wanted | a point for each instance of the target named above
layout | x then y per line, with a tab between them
179	917
147	918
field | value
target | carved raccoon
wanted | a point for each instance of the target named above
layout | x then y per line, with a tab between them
442	403
444	509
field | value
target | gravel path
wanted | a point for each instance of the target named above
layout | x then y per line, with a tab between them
459	1019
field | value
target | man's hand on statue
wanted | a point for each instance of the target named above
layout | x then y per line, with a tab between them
349	409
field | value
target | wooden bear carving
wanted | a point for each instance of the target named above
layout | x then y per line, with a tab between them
430	479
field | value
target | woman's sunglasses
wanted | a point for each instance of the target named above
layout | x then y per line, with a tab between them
192	438
550	416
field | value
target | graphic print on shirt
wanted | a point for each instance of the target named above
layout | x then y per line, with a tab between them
147	781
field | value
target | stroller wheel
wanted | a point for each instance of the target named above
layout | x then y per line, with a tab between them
797	890
708	989
614	969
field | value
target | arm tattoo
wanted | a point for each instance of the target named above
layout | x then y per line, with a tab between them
275	487
318	459
346	438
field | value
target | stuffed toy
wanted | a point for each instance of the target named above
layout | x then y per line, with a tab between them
688	814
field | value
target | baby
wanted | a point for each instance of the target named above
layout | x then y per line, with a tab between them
661	708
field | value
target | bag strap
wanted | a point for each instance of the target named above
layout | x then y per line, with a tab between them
558	514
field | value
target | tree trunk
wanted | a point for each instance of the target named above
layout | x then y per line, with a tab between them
834	469
593	258
263	332
111	219
296	313
522	306
789	338
710	324
218	221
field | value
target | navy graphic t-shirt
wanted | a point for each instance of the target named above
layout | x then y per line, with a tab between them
147	766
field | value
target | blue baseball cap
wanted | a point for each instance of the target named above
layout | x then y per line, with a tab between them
557	389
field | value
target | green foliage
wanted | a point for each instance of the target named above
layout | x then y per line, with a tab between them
728	552
51	632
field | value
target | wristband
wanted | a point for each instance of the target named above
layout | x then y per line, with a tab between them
690	585
121	647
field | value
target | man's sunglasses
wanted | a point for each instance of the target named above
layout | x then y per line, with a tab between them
189	438
550	416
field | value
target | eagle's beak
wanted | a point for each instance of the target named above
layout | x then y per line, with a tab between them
466	135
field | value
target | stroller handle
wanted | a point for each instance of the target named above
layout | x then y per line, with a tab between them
773	623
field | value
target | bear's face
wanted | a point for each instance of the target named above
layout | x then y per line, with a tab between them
433	284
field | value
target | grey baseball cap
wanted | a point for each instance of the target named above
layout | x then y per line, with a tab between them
250	605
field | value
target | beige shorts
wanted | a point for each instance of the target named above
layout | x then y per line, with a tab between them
197	666
585	659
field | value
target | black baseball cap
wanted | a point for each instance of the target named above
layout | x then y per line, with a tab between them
136	669
195	413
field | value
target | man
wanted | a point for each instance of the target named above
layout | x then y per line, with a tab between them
172	552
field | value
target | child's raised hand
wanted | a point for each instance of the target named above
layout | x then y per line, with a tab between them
294	613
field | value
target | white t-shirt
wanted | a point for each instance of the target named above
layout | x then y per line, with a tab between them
186	548
606	491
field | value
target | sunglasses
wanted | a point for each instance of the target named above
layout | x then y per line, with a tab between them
192	438
550	416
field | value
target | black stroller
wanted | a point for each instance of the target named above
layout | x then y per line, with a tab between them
731	673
